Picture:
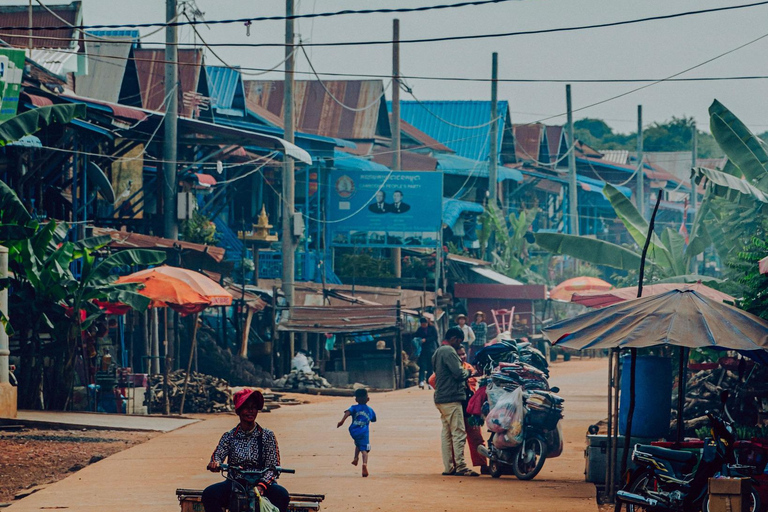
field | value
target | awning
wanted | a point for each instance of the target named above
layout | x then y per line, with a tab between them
205	180
495	276
126	240
460	166
340	319
453	208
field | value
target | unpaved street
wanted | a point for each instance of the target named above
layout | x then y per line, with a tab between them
405	461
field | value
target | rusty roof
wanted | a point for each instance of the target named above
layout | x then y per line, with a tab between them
18	16
340	319
150	65
318	113
126	240
555	142
528	139
409	160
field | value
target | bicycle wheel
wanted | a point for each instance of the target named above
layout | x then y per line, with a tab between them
530	458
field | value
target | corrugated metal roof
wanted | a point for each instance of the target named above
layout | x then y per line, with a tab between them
56	61
106	69
132	34
316	112
458	165
225	87
677	163
555	142
528	140
341	319
18	16
151	69
126	240
461	125
409	161
617	156
422	139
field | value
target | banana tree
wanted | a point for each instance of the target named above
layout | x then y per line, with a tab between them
49	299
668	253
510	255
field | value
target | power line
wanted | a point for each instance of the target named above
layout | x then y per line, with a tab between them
345	12
389	41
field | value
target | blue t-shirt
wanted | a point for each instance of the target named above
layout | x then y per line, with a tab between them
362	415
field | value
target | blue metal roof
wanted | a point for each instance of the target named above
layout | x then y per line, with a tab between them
347	162
458	165
588	184
463	126
133	34
225	86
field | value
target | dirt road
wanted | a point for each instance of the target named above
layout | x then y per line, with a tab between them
405	462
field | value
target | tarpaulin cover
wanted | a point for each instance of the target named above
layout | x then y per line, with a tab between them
684	318
599	299
453	208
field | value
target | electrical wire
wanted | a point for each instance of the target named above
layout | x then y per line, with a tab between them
258	169
443	120
373	103
399	10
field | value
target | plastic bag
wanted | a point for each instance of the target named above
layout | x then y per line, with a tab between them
509	438
301	362
507	413
266	506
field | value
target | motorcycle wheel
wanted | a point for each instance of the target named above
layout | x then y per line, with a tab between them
754	506
640	484
495	469
530	458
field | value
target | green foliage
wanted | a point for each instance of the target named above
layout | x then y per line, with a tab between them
199	229
754	298
363	264
33	120
510	254
672	135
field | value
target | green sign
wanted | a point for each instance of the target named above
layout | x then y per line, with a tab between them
11	71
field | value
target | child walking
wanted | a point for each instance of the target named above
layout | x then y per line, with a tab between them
362	415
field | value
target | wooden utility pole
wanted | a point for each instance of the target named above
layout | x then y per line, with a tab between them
30	45
573	191
397	164
288	245
169	189
493	153
640	199
694	150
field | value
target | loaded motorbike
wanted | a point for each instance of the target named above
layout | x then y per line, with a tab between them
665	479
244	496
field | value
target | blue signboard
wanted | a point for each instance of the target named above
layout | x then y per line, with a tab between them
383	209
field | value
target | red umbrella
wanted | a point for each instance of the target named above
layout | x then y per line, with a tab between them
599	299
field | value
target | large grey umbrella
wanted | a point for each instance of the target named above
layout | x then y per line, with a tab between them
680	317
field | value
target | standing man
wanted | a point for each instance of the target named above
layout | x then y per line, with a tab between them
450	393
469	334
427	336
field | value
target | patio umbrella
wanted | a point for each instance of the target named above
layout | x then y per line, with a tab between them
600	299
763	265
567	288
679	317
185	291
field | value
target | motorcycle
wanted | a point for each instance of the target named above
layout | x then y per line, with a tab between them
526	459
665	479
244	496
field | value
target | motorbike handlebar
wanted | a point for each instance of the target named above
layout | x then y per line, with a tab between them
277	469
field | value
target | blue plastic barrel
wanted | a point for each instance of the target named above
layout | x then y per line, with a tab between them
653	396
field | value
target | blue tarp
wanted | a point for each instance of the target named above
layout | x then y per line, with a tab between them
453	208
346	162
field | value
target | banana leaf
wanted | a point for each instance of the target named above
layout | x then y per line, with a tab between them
12	211
637	226
33	120
597	252
102	273
740	145
732	182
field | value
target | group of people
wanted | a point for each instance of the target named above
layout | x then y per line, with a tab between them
443	367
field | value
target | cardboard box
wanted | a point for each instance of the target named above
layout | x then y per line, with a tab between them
728	494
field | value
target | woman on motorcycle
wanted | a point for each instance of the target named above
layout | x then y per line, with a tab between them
249	446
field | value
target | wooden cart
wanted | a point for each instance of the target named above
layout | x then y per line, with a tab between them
189	499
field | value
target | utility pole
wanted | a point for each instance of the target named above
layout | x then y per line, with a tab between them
573	191
493	153
694	150
8	397
30	45
288	246
169	189
640	199
397	164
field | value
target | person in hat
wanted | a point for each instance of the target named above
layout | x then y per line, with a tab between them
362	416
480	328
249	446
469	336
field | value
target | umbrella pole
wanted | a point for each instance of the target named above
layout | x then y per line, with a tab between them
681	378
609	438
192	350
633	351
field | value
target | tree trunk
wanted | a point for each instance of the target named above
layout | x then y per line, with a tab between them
30	375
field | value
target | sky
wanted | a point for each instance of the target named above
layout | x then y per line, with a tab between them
654	49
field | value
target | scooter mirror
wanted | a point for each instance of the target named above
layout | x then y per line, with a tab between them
555	389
